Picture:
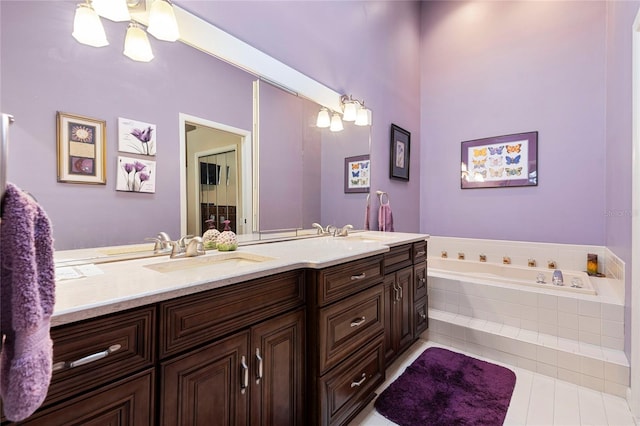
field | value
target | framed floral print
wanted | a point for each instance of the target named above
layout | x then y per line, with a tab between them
81	149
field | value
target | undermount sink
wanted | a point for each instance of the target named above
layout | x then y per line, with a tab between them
228	259
367	238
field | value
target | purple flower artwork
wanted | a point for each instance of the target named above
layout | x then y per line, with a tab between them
135	175
136	137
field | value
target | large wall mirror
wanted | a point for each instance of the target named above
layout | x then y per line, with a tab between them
297	180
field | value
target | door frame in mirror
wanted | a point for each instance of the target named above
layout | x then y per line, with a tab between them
247	152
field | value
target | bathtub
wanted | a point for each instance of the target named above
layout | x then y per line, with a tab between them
510	274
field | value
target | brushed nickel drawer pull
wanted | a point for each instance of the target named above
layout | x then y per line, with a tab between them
396	294
423	315
400	289
87	359
421	253
259	359
358	322
361	381
245	375
423	280
358	277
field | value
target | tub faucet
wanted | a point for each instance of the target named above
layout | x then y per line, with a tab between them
460	256
443	254
531	263
551	264
483	258
506	260
557	278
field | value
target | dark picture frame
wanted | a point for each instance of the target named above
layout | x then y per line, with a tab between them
400	153
500	161
357	174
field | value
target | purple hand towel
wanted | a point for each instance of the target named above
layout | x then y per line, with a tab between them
385	218
366	217
27	295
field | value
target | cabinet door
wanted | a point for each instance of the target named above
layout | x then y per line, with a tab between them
390	300
277	371
404	309
207	387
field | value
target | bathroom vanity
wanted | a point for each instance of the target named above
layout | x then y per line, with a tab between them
302	336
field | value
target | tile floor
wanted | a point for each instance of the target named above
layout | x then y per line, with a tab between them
537	399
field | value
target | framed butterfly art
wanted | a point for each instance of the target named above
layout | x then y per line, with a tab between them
518	152
357	174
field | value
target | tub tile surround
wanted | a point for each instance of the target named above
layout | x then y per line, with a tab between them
578	338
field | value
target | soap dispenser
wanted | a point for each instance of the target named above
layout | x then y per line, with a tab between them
210	235
227	240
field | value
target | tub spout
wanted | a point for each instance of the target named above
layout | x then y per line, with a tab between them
460	256
506	260
557	277
483	258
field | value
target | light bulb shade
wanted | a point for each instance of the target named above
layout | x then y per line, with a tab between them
87	27
350	111
323	120
136	44
336	123
364	117
162	21
115	10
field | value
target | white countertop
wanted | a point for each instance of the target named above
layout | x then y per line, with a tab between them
131	283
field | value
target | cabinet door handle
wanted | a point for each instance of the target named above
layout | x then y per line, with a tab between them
244	381
359	382
400	291
421	253
395	293
87	359
259	359
423	315
423	280
358	322
358	277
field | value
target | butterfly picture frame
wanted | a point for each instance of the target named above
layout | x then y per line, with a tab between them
519	152
357	174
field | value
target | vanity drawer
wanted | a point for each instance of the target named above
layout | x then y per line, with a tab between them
398	258
419	252
199	318
350	386
421	316
343	280
420	284
345	326
91	353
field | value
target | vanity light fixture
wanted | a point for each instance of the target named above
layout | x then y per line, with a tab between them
87	27
323	120
336	123
136	44
115	10
350	109
363	117
162	21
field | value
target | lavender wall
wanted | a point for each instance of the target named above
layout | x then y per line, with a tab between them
617	211
46	70
496	68
369	49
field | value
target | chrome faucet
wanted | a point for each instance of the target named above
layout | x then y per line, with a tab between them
329	230
162	242
181	248
344	232
318	227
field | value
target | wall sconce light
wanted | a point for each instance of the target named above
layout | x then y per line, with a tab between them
352	110
136	44
162	21
336	123
115	10
323	120
87	27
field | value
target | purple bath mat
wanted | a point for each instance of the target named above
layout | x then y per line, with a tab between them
442	387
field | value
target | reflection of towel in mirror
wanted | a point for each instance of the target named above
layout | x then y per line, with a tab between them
385	218
27	292
367	227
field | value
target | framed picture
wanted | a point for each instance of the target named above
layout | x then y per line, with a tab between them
500	161
81	149
400	149
136	175
136	137
357	174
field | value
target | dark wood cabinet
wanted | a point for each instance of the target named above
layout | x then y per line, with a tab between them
399	327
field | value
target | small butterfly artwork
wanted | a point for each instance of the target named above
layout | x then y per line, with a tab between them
480	152
482	173
513	172
364	165
496	172
355	181
513	160
495	161
496	151
355	174
355	166
513	149
479	162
